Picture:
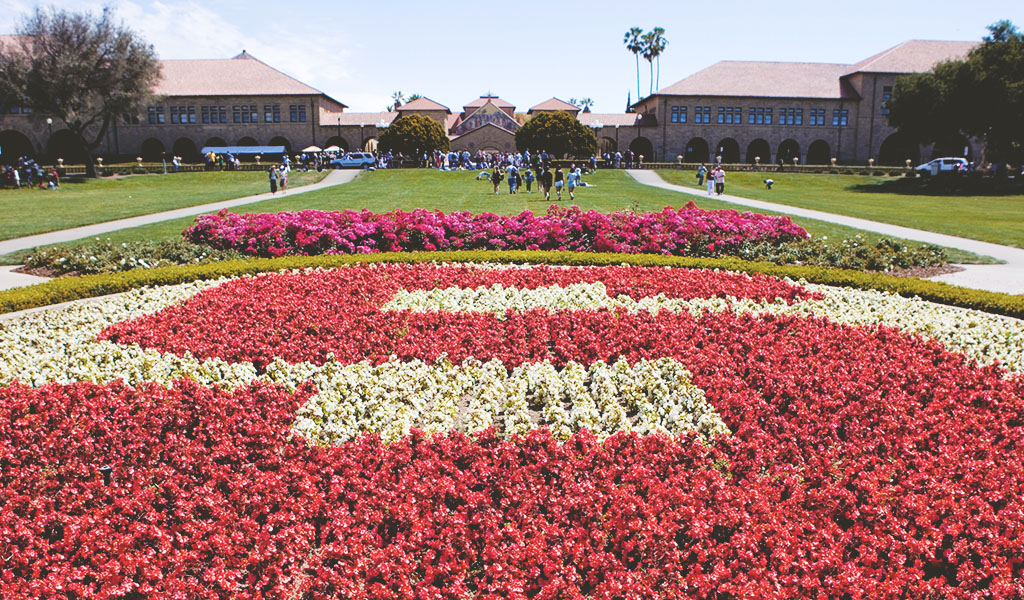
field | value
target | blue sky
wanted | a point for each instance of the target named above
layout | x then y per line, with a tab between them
526	52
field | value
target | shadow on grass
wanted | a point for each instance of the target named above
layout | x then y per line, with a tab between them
943	186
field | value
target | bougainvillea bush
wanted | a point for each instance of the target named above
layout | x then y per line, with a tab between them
685	231
458	431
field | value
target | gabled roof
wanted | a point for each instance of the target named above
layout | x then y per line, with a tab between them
763	79
914	56
242	75
480	129
423	103
608	119
554	104
484	99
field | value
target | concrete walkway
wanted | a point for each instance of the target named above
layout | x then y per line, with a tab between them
10	280
1007	278
66	235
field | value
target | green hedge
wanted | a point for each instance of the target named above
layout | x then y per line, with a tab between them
74	288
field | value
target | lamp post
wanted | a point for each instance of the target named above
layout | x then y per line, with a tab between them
49	124
339	129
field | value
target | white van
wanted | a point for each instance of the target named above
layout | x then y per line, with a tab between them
939	166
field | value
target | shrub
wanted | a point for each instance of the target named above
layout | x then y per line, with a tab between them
109	257
66	289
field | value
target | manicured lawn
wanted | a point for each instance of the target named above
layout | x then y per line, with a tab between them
29	211
383	191
991	214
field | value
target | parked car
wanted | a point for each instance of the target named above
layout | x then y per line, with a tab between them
354	160
940	166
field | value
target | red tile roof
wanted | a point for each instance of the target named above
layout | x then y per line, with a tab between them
763	79
554	104
914	56
493	99
423	103
242	75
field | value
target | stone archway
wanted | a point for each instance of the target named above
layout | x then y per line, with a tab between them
642	146
68	146
216	142
279	140
370	144
696	151
818	153
152	150
337	141
788	150
896	149
186	149
608	145
14	145
759	149
247	141
729	150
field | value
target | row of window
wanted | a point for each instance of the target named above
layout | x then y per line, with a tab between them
247	113
21	110
730	115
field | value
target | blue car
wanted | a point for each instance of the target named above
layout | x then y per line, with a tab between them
354	160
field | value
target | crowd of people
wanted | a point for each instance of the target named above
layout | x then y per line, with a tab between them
715	178
28	173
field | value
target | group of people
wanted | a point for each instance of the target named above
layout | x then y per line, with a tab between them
28	173
278	175
715	178
545	178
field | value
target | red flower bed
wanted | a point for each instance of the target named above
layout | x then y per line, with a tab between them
305	317
864	464
688	230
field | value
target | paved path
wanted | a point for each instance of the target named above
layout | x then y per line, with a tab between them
66	235
10	280
1007	278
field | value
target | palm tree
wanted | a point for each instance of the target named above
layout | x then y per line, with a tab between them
398	98
647	51
658	43
585	104
634	45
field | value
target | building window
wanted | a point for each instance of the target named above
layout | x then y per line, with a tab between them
271	113
701	114
839	117
678	114
254	115
791	116
156	115
21	110
297	112
758	116
183	114
730	115
236	114
886	95
215	114
816	116
130	119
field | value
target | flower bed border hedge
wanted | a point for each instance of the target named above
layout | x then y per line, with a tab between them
89	286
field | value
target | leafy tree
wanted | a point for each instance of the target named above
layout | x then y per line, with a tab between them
413	135
81	70
633	43
557	132
981	96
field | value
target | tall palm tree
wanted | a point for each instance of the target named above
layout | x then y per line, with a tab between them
647	50
658	43
635	45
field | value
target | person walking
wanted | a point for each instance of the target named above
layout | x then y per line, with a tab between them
272	173
545	182
559	181
719	180
284	178
702	171
572	181
711	183
496	178
529	180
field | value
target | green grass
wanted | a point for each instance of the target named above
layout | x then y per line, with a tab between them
981	212
383	191
30	211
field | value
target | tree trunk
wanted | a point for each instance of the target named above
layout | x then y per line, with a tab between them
637	57
651	64
90	165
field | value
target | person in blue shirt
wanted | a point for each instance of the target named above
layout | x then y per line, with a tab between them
528	177
571	180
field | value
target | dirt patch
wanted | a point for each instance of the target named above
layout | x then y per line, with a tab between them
42	272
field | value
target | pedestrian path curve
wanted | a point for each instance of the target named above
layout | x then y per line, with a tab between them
1007	278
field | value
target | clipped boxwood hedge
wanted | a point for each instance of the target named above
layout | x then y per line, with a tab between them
74	288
